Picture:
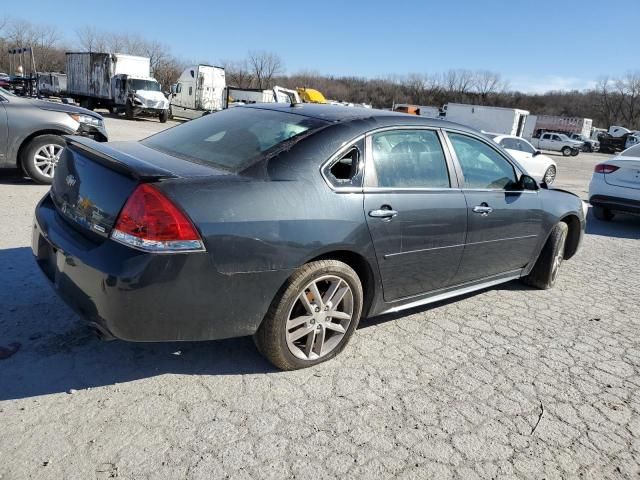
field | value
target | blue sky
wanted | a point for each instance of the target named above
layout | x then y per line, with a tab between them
536	46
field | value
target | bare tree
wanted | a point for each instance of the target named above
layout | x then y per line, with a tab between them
486	83
264	66
238	74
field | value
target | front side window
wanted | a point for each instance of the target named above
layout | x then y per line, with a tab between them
409	159
525	146
482	166
509	143
233	139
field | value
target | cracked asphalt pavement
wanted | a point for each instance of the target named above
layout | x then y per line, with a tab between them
508	382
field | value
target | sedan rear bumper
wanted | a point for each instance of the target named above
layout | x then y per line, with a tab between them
616	203
138	296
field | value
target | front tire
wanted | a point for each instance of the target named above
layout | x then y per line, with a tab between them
602	213
313	317
128	111
164	116
550	175
40	157
566	151
575	152
545	271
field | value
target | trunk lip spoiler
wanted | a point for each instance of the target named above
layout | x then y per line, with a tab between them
116	160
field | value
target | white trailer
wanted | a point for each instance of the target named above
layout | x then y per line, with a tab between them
239	96
508	121
568	125
115	81
200	90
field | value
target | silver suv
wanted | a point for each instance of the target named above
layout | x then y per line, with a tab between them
31	133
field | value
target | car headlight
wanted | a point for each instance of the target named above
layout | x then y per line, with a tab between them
86	119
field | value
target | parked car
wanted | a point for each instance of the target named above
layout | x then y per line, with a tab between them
557	142
290	223
589	145
541	167
615	185
31	133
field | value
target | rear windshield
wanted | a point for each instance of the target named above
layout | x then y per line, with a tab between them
233	139
632	151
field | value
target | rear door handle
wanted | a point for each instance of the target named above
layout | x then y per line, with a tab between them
482	209
383	213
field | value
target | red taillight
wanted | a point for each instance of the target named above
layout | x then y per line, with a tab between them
150	221
605	168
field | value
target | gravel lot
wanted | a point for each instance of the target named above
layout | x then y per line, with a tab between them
508	382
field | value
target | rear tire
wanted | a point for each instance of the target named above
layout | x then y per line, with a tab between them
545	271
40	157
566	151
164	116
276	338
602	213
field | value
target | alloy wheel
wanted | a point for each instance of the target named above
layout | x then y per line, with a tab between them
550	175
46	159
319	317
557	259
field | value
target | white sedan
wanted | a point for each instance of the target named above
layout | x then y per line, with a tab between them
540	167
615	185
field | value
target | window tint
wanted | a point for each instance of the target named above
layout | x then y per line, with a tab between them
409	158
632	151
233	139
546	136
482	166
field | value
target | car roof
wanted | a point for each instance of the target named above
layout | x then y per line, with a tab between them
344	114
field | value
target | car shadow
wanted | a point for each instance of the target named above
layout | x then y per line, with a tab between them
622	226
58	352
15	176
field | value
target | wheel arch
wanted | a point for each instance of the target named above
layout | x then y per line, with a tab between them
573	236
25	141
363	269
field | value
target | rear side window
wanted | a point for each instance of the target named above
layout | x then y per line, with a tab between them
409	159
482	166
233	139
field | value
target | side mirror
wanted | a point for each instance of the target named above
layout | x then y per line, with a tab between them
537	152
527	183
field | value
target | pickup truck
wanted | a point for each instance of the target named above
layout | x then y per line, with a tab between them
557	142
589	145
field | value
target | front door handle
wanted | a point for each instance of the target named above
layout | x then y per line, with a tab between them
483	209
384	212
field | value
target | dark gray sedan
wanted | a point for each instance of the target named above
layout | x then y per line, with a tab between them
31	133
291	223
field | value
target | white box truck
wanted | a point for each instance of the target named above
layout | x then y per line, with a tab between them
115	81
508	121
200	90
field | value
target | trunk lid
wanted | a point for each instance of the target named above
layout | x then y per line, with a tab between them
94	180
628	175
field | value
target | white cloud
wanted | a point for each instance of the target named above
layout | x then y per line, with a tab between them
546	83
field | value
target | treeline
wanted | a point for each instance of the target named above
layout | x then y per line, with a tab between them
613	101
